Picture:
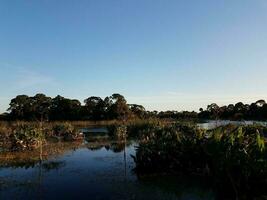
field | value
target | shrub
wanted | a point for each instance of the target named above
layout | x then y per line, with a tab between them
25	137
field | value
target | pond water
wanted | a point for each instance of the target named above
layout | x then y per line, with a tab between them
96	168
210	124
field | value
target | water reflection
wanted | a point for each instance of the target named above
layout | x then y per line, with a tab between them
97	168
211	124
53	165
29	159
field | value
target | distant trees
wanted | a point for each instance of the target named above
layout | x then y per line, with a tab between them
118	107
239	111
175	115
41	107
138	110
27	108
96	108
65	109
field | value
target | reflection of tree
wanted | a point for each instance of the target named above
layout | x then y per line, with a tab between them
98	141
114	146
117	147
53	165
94	147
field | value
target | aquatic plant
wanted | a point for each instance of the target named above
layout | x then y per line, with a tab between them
231	155
26	137
66	131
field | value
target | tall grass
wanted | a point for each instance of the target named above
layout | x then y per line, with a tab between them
229	156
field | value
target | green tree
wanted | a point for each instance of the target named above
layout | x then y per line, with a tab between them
137	110
41	105
119	108
65	109
95	107
20	107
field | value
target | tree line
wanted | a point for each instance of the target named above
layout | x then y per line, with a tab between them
115	107
42	107
238	111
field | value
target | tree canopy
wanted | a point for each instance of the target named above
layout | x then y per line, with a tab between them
41	107
239	111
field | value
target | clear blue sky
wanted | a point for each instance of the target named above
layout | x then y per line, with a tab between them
164	54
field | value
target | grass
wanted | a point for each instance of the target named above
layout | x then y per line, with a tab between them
233	157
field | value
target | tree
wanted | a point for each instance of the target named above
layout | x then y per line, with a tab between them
260	103
41	105
95	107
65	109
214	110
137	110
20	107
119	108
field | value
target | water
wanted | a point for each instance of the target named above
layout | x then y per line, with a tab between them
210	124
96	168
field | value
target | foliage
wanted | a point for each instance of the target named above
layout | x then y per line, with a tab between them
65	109
65	130
231	156
239	111
29	135
43	108
25	137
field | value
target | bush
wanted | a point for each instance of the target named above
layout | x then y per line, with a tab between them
65	131
25	137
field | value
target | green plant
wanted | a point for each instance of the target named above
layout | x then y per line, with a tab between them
232	156
26	137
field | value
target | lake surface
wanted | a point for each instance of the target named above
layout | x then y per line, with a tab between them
210	124
96	168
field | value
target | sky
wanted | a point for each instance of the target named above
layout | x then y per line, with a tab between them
163	54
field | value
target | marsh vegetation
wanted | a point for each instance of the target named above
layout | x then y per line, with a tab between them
231	159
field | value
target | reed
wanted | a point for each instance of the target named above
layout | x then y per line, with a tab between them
229	156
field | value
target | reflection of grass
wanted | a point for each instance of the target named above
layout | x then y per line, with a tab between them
28	159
